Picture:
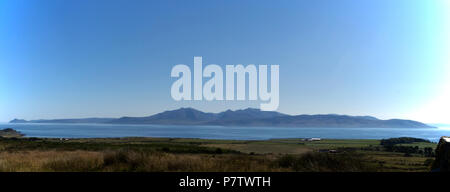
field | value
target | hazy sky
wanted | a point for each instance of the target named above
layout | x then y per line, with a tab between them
84	58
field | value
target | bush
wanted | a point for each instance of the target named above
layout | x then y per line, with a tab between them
287	161
125	160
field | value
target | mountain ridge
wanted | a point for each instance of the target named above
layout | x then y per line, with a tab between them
247	117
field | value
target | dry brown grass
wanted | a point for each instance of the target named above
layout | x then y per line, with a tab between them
32	161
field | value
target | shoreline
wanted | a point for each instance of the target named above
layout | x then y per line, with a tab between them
207	139
217	132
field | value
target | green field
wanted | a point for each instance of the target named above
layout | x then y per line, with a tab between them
170	154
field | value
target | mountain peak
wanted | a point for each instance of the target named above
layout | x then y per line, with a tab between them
18	121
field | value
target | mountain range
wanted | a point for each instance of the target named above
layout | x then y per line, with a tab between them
246	117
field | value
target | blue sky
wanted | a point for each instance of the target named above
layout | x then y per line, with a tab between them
111	58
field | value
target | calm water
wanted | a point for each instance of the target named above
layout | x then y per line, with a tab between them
219	132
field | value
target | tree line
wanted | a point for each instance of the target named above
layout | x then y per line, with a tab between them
391	145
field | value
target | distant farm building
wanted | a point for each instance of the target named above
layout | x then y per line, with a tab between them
313	139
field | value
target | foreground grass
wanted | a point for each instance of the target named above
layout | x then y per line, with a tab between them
167	154
30	161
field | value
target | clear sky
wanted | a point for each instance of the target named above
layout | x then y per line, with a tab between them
112	58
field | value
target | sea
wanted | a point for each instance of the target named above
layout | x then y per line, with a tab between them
53	130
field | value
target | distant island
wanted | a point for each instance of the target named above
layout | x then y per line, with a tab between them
247	117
